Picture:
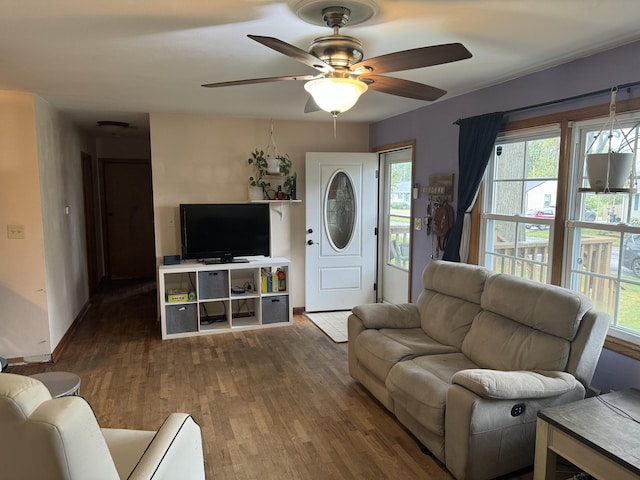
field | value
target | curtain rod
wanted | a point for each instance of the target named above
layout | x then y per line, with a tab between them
567	99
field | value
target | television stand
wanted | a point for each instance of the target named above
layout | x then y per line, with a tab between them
200	299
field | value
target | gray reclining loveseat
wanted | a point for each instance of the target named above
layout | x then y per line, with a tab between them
467	367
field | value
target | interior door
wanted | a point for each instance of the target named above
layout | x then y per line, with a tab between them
128	204
341	214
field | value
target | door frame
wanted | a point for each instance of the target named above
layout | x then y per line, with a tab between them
381	150
90	216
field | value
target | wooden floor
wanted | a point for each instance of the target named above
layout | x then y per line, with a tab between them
273	404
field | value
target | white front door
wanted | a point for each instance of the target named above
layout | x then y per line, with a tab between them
341	213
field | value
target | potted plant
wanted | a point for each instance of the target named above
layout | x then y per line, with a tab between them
610	163
278	165
609	170
257	184
289	186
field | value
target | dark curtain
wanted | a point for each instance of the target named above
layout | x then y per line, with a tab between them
475	144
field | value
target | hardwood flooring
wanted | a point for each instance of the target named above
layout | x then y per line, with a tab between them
273	404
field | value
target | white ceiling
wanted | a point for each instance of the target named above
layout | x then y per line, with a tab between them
120	59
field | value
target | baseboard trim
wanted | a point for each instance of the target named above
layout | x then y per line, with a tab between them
66	338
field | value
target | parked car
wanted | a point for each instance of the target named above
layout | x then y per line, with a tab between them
631	253
547	212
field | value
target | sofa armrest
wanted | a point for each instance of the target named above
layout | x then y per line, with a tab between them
498	384
174	452
386	315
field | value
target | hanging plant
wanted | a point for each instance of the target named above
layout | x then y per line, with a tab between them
260	162
269	162
613	168
284	164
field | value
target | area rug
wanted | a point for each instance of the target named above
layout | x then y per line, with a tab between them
334	324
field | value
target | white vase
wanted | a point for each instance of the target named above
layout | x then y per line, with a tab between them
256	193
617	165
274	166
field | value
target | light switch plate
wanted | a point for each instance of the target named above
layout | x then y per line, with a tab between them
15	231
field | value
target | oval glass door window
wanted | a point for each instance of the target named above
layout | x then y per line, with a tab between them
340	210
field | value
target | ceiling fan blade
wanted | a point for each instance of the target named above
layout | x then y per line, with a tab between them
311	106
293	52
259	80
402	88
414	58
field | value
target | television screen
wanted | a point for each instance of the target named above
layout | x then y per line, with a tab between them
224	232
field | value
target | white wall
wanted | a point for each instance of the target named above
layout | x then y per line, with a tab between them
24	328
43	277
60	169
203	159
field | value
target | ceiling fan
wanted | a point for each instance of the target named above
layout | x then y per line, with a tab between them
344	75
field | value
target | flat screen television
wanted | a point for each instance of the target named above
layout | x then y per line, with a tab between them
224	232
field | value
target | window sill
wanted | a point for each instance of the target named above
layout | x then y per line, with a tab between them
623	347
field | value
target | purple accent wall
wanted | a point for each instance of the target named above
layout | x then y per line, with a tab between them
616	372
437	137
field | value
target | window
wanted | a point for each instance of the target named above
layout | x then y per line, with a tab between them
519	210
397	215
597	252
339	211
602	257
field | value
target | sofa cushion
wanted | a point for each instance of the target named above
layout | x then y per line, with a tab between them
378	353
458	280
379	350
500	343
515	385
450	299
547	308
419	342
446	319
420	385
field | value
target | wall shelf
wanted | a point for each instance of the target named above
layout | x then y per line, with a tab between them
277	202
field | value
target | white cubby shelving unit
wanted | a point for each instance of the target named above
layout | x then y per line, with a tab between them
214	303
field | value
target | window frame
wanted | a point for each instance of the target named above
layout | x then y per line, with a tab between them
566	120
524	135
575	224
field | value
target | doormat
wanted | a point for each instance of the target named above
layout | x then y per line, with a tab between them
334	324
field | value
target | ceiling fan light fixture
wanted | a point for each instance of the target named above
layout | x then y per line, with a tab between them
335	95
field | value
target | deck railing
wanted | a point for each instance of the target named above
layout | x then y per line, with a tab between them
532	258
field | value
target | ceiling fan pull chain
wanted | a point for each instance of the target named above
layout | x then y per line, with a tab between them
334	126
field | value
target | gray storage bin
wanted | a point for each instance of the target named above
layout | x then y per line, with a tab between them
213	284
275	309
182	318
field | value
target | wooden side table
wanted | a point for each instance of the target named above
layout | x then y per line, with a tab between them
595	434
59	384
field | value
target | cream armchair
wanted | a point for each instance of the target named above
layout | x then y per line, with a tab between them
60	438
